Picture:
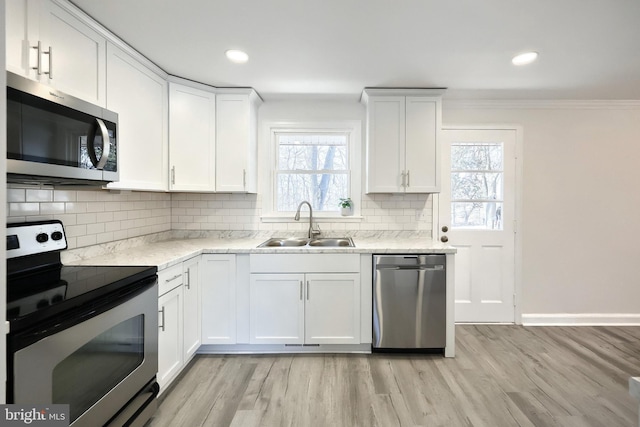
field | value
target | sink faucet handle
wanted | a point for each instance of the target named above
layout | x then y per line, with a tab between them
316	231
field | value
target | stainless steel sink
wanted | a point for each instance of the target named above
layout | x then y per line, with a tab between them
291	241
332	241
276	242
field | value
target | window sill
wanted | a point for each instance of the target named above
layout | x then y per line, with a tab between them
316	219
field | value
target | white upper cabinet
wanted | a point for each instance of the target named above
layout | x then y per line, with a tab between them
403	129
48	43
139	96
192	151
237	140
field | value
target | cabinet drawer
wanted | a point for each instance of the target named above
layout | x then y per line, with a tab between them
305	263
170	278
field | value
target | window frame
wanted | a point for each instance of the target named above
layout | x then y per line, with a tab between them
351	128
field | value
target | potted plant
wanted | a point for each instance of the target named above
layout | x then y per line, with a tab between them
346	206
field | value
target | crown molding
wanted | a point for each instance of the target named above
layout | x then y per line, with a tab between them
630	104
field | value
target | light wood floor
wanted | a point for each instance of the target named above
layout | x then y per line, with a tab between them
501	376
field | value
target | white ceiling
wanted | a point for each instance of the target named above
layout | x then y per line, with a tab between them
589	49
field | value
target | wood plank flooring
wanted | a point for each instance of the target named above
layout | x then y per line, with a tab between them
501	376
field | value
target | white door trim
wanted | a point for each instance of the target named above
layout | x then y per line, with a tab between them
518	206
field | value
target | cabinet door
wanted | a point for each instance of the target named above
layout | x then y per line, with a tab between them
276	308
233	142
192	115
385	144
72	55
218	278
422	154
332	311
21	33
139	96
192	312
76	62
170	329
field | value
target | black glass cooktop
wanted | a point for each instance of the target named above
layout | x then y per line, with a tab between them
35	296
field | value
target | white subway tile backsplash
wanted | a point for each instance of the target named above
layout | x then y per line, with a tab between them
16	195
52	208
86	196
101	216
92	216
88	218
24	209
39	195
75	230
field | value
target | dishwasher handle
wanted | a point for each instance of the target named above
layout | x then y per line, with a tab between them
410	267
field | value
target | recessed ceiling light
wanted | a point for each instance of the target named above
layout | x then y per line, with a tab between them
237	56
524	58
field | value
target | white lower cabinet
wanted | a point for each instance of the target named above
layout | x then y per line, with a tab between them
170	336
218	274
179	320
332	309
192	311
276	309
320	308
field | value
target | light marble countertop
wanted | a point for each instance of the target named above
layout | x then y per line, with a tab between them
166	253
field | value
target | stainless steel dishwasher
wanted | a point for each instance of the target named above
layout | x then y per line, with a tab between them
409	302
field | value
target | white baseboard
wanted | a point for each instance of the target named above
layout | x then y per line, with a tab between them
581	319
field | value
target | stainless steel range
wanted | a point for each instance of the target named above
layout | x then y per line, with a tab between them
79	335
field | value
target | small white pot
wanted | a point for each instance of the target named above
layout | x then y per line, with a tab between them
346	211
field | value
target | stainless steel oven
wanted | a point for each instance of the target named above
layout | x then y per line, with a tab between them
54	138
79	335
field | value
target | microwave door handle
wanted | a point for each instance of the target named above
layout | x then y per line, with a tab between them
106	144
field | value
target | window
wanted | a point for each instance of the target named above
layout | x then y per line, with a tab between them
314	162
477	185
312	167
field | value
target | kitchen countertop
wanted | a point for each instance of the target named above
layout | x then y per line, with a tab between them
166	253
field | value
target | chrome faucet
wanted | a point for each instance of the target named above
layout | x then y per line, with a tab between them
312	232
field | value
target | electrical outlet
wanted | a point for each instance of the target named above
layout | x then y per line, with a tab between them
420	215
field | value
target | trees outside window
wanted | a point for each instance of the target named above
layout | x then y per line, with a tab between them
311	166
477	185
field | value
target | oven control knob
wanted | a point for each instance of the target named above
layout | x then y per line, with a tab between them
42	237
42	303
56	235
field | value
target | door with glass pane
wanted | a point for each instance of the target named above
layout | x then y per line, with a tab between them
476	216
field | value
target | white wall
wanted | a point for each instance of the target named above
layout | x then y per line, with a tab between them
580	220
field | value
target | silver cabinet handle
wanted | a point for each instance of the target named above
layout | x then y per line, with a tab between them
50	53
301	290
187	279
99	125
244	178
38	66
408	179
161	326
173	278
173	175
307	290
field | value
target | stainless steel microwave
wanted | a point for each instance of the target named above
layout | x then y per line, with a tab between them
56	139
